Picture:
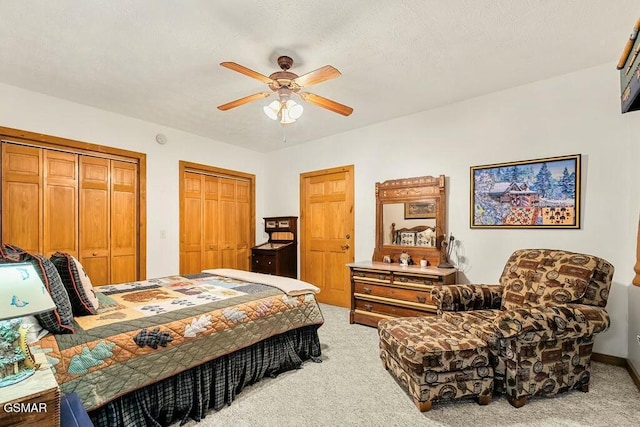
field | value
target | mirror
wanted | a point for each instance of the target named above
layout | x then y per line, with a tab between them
410	218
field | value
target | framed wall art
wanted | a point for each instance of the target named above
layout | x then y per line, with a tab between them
420	210
540	193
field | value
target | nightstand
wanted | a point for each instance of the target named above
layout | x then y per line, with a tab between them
34	401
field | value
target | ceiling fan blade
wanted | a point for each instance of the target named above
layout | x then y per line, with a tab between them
242	101
317	76
246	71
323	102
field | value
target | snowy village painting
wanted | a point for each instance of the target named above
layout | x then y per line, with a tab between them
541	193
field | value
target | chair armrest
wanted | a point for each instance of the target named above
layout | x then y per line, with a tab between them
553	322
467	297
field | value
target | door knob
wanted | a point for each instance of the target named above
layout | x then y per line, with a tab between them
348	236
345	247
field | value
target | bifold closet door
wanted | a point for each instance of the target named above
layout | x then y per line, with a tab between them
22	212
215	223
108	236
235	247
39	199
60	203
123	233
199	223
95	206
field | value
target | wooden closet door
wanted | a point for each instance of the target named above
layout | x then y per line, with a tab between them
123	242
243	215
95	208
210	228
60	203
191	224
22	223
228	223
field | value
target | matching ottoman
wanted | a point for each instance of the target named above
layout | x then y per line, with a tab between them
434	360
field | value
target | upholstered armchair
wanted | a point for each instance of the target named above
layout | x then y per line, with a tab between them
539	321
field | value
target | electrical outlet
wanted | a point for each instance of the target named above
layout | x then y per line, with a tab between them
163	234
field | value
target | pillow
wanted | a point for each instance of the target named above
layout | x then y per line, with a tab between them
78	284
59	320
425	238
539	277
407	238
34	330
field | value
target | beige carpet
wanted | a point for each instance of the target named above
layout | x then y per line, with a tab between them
351	388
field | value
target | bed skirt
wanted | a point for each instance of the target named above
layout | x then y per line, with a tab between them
211	385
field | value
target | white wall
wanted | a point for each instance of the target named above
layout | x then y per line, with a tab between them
633	126
52	116
575	113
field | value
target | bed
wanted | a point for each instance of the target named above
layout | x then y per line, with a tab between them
165	350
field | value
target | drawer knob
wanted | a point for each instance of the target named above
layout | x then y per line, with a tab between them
422	299
368	307
428	282
381	277
367	290
404	279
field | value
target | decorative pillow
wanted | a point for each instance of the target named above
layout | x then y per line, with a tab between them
34	330
407	238
539	277
59	320
78	284
425	238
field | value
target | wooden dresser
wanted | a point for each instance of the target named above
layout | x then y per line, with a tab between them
380	290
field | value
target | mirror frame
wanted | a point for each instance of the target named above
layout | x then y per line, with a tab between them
411	190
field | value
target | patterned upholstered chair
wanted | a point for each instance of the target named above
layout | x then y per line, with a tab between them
539	322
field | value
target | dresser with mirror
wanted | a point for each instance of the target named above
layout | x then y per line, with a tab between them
408	259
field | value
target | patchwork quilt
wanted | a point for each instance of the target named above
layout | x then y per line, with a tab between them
149	330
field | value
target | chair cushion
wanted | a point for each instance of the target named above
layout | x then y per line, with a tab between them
480	323
538	277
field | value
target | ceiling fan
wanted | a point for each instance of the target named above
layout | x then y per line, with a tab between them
284	83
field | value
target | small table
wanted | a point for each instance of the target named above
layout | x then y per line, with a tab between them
32	402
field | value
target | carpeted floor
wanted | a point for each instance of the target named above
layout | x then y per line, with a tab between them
351	388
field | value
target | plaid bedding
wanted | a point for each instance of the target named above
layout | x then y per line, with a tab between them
150	330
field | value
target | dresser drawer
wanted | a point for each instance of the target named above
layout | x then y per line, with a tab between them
388	309
421	297
407	279
263	264
371	276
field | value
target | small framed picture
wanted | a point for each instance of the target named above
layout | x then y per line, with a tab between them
420	210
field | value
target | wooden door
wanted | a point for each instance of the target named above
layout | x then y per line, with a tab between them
217	216
211	219
60	203
243	216
22	223
327	232
123	218
95	224
235	216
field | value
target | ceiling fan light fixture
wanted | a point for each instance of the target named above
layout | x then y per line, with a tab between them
294	109
272	110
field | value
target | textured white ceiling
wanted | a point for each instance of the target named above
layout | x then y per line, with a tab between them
157	60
